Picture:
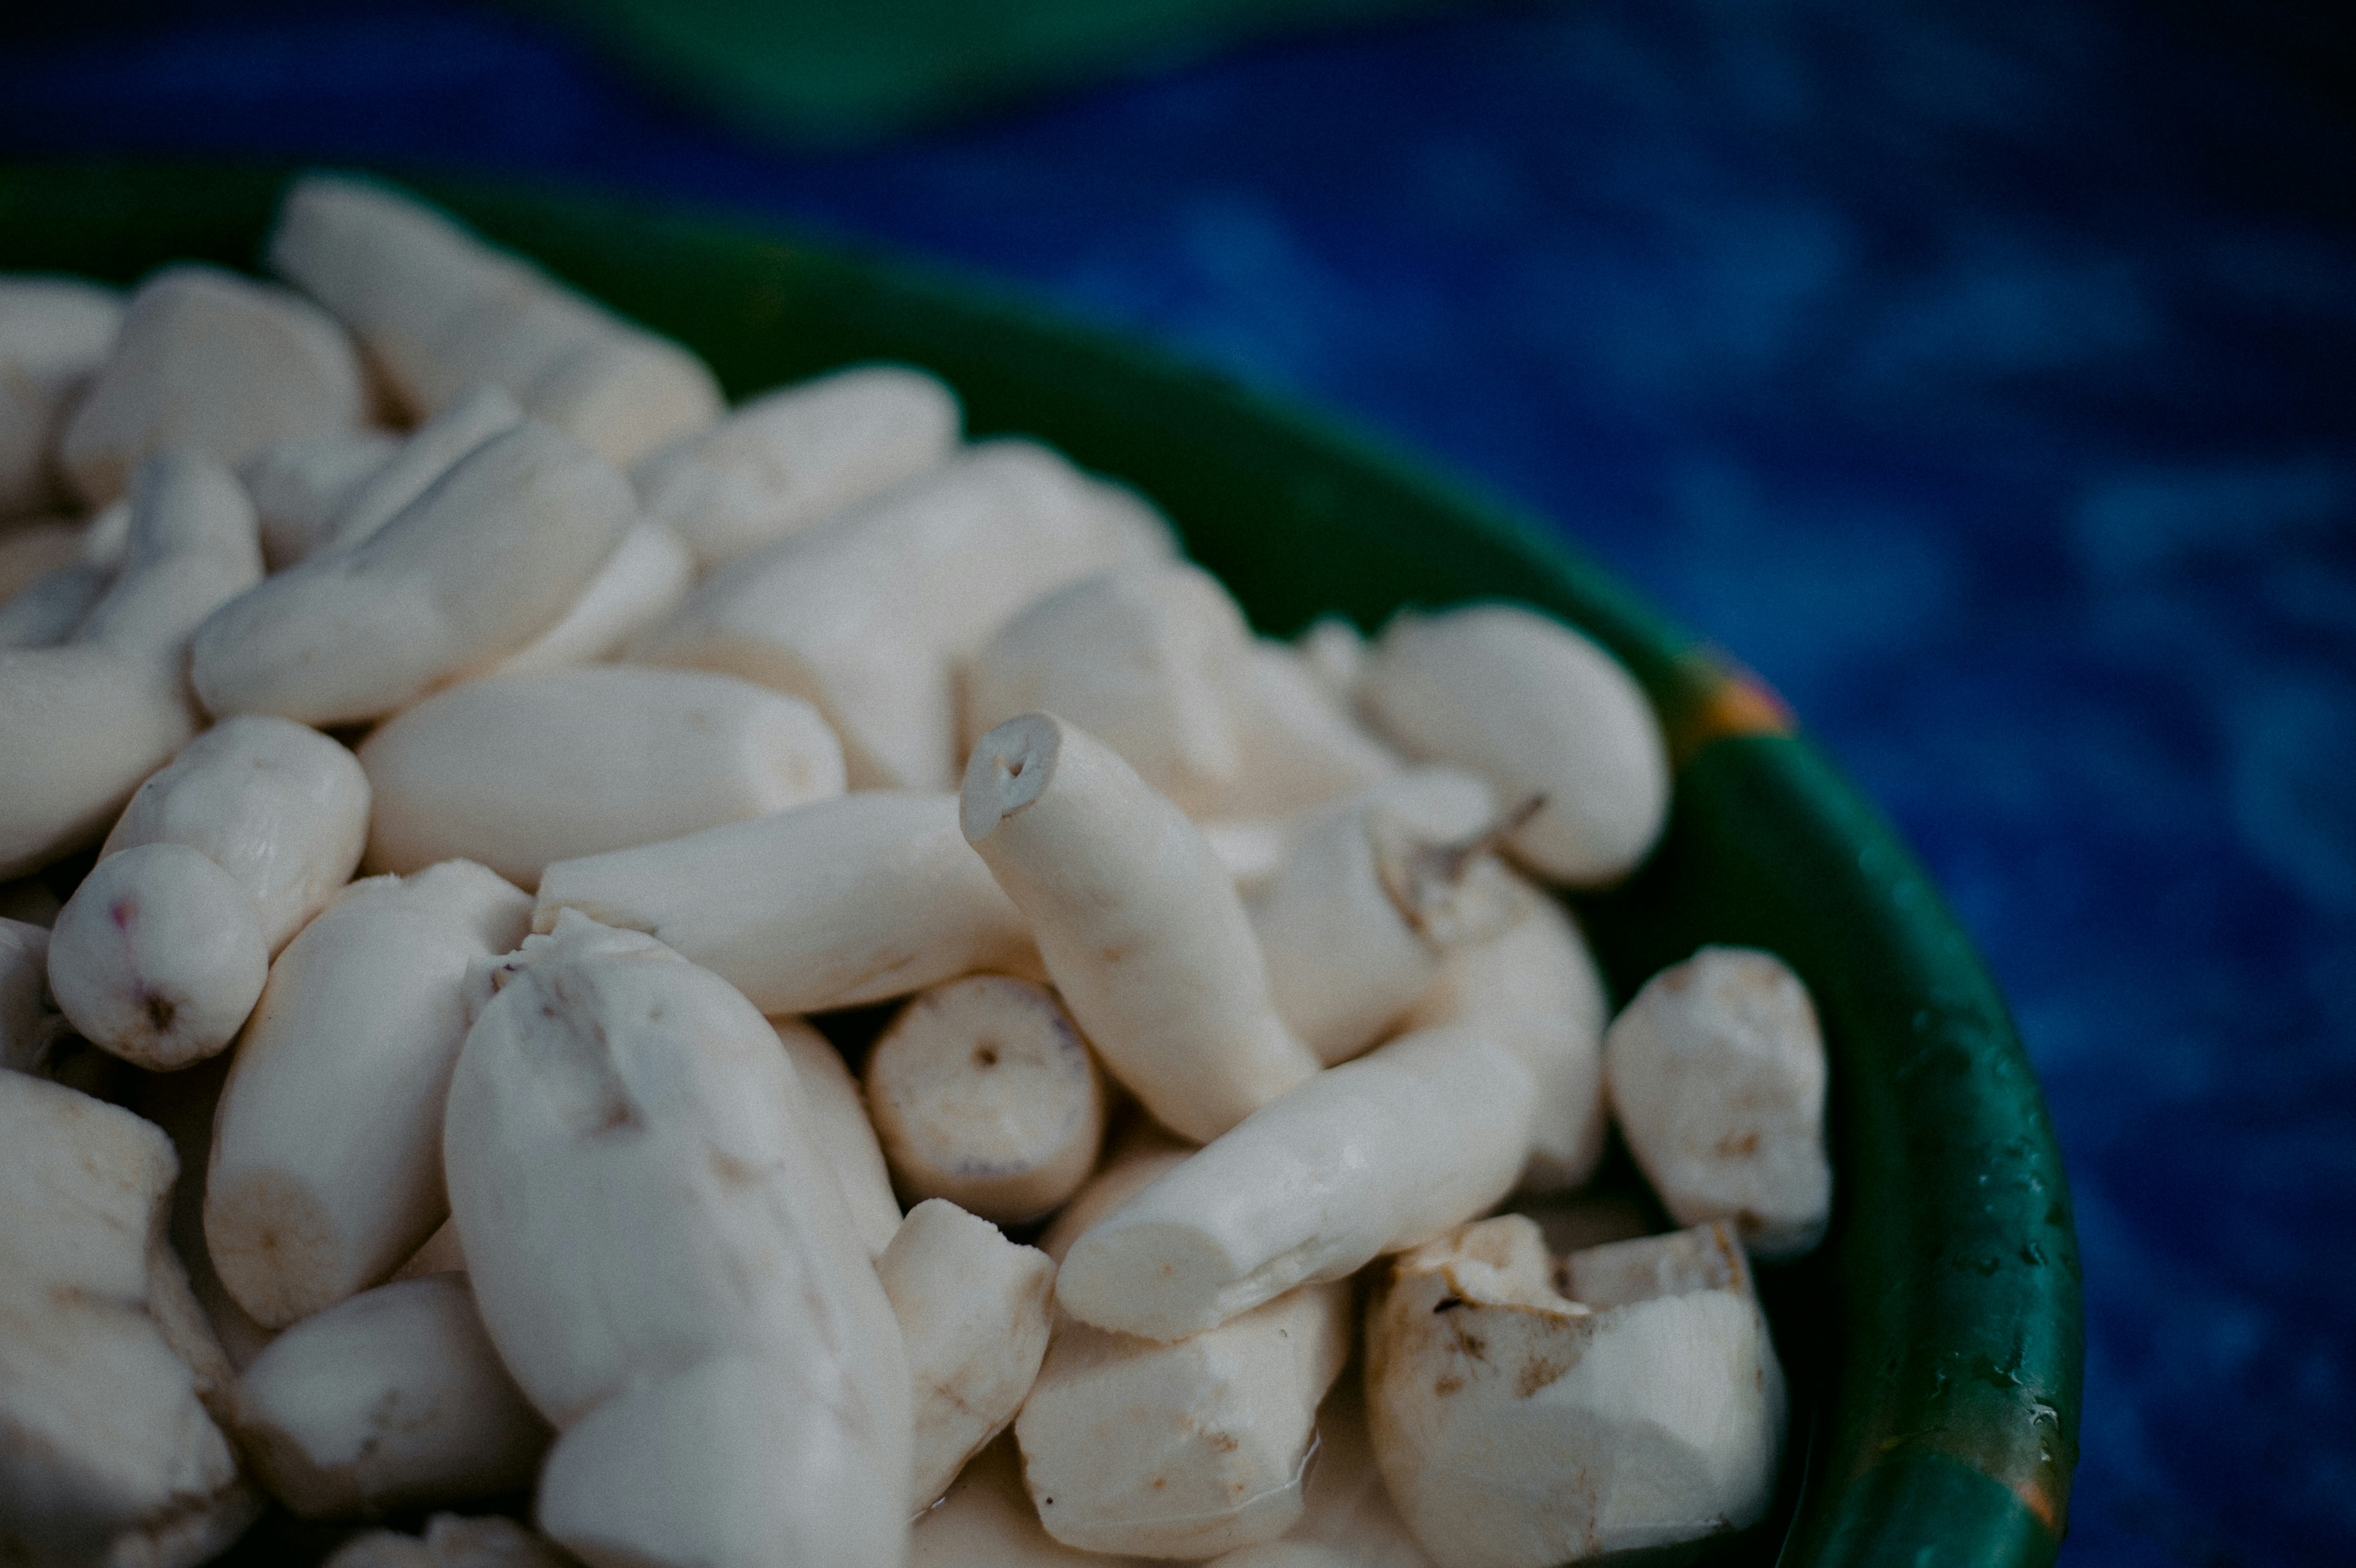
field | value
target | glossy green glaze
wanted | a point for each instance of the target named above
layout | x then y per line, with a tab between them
1936	1343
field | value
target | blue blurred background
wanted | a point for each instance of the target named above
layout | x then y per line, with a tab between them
1979	373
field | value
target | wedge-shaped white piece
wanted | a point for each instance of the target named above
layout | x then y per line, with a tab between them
389	1400
441	314
214	363
984	1093
452	1540
158	957
32	547
426	453
83	722
1370	899
789	458
636	1188
327	1168
1485	1389
1133	1160
486	558
1138	924
985	1521
55	333
48	609
646	578
279	807
519	771
1347	1518
1183	1450
1374	1156
1539	710
1299	747
730	1463
832	904
868	615
1536	989
1137	656
1717	1076
300	485
106	1453
835	1114
973	1312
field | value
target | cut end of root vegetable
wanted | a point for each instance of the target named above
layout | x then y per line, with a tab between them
1009	769
275	1246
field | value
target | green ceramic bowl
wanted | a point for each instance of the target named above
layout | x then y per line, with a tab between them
1934	1343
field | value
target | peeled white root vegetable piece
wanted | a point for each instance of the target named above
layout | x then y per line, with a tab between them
1717	1076
645	579
84	721
182	1104
326	1156
1371	897
1137	656
728	1463
106	1454
1299	746
1347	1518
1377	1155
983	1092
836	1116
832	904
55	333
426	453
29	1020
300	485
1138	924
158	957
391	1399
441	314
1486	1390
635	1189
1538	709
452	1542
985	1521
1132	1161
1183	1450
868	615
486	558
209	362
516	772
973	1312
1536	989
782	462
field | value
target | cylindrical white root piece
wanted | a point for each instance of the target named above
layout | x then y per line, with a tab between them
1138	922
789	458
1299	746
1138	657
213	363
1717	1076
1370	899
1536	989
1133	1160
486	559
1485	1389
985	1521
86	721
450	1541
1538	709
326	1168
1368	1157
984	1093
429	452
106	1455
728	1463
636	1188
841	902
868	615
441	313
55	333
300	485
835	1114
158	956
1183	1450
392	1399
32	547
648	576
279	807
972	1308
519	771
49	607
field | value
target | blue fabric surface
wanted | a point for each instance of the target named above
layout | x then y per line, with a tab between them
1978	373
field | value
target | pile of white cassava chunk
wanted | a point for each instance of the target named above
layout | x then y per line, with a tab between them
513	1163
